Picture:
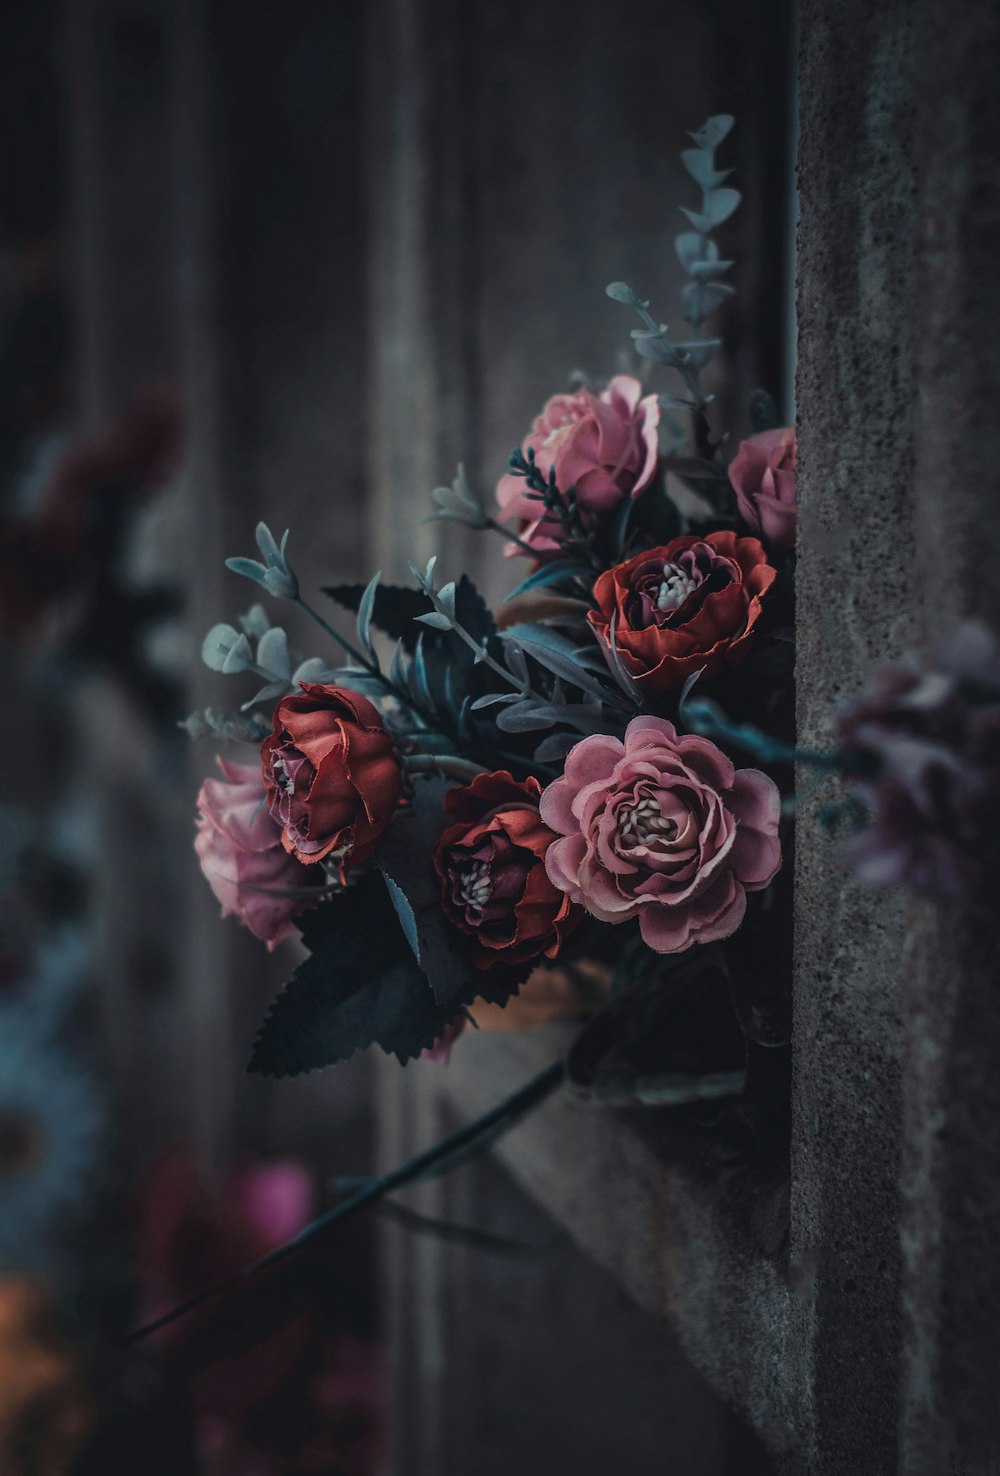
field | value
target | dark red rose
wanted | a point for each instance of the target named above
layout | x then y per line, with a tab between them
333	779
688	606
491	863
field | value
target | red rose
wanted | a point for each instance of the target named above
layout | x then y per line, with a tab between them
333	779
689	606
491	863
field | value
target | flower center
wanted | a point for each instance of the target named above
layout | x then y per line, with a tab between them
282	777
474	884
675	587
642	823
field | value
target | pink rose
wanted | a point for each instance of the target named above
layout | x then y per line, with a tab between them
763	477
606	447
662	828
240	851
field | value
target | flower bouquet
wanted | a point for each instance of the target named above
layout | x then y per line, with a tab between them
451	798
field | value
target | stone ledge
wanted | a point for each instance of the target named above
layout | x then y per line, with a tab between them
699	1243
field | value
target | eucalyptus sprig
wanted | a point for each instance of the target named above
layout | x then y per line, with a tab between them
699	255
459	503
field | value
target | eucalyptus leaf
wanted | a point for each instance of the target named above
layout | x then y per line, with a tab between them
366	609
562	571
700	351
721	205
555	747
273	655
703	298
701	223
226	649
701	167
713	131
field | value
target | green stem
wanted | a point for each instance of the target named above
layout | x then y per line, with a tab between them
430	720
446	764
456	1145
514	537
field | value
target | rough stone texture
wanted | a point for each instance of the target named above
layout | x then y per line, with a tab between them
896	1021
951	1166
856	411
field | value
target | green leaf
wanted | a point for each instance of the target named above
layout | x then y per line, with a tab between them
701	167
366	608
360	986
563	571
692	248
713	131
394	609
722	204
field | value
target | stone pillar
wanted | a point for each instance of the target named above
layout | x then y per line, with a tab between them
896	1143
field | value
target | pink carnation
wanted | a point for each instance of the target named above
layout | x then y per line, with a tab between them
662	828
240	851
604	446
762	474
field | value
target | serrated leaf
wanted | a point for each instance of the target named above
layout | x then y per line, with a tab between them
360	986
394	611
405	914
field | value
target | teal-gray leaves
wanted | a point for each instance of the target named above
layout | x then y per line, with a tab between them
274	574
699	255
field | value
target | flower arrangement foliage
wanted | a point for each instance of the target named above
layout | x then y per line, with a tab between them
451	799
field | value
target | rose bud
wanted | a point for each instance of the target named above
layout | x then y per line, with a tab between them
762	474
333	779
605	447
688	606
491	864
662	828
239	849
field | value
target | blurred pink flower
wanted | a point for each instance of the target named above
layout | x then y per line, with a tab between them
763	477
604	446
240	851
661	827
929	737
